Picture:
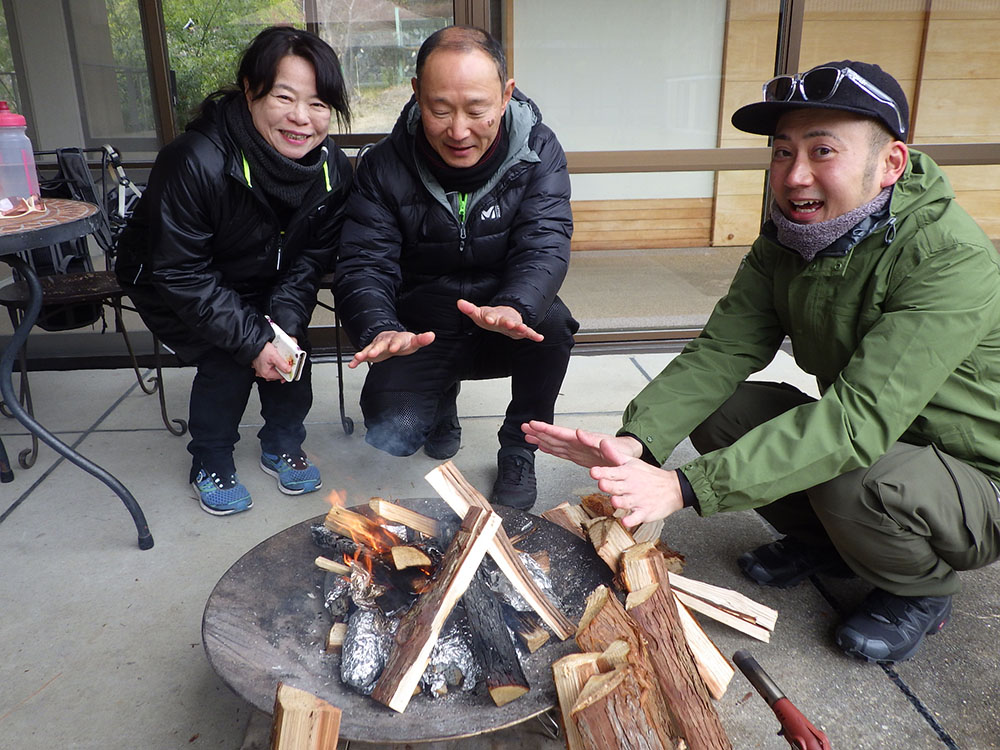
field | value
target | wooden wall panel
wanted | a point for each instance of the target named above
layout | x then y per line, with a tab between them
751	38
960	94
641	224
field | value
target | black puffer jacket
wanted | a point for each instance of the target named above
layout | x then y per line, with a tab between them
406	255
204	257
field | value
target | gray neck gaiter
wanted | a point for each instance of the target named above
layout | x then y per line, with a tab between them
810	239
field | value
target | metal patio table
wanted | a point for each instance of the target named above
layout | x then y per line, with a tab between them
60	220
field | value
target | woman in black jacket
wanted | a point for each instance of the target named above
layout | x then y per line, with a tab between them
239	221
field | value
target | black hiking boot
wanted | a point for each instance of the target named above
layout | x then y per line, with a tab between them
890	628
515	485
789	561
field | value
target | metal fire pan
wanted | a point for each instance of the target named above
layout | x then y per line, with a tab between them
265	622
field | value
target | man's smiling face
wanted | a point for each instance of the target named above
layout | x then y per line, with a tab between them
823	164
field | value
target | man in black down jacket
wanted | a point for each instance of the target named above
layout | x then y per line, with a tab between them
455	243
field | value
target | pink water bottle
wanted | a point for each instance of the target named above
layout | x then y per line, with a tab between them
18	178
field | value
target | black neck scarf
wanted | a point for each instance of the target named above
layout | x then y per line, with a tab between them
464	179
287	183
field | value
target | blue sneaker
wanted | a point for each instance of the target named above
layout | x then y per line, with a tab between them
296	475
221	497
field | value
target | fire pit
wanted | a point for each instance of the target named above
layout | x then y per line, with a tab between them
265	622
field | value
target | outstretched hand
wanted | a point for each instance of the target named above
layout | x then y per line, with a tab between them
647	492
391	344
579	446
502	319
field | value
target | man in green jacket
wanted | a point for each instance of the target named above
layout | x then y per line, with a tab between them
890	294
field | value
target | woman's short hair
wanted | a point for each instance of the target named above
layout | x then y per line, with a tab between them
259	66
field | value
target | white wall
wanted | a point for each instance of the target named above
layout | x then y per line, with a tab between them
642	74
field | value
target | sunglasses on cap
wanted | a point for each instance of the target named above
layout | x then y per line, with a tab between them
820	84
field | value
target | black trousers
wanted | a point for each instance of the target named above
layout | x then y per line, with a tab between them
403	396
219	396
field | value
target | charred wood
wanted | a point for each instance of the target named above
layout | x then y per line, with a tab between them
527	628
460	496
420	627
493	644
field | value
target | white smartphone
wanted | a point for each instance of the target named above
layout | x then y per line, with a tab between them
293	354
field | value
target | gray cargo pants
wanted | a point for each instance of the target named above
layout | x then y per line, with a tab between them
905	524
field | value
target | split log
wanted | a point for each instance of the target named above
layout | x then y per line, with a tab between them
335	638
723	605
605	621
405	556
419	628
571	673
359	528
332	566
409	518
613	711
460	496
712	665
726	618
527	628
570	517
648	532
728	600
303	721
610	538
655	610
636	574
598	505
493	644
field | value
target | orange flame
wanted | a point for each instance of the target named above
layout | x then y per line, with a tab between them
337	498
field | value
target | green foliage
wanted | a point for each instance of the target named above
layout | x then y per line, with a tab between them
8	82
205	39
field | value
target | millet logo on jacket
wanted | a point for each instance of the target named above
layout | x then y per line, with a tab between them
491	212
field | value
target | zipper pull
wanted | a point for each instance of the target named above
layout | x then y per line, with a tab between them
462	199
890	233
281	236
461	237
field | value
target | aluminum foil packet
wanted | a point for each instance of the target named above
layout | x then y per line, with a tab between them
366	648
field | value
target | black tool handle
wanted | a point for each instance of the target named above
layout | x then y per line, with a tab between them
769	691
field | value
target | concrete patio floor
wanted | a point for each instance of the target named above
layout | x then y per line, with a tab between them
102	642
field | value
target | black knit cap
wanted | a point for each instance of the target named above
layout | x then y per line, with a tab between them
762	117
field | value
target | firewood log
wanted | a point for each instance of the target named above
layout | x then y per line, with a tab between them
303	721
409	518
335	638
610	538
570	517
527	628
456	491
683	689
613	712
598	505
419	628
571	673
493	644
359	528
406	556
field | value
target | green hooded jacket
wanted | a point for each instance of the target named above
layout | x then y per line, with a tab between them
901	331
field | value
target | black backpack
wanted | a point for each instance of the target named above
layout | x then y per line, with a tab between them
73	179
